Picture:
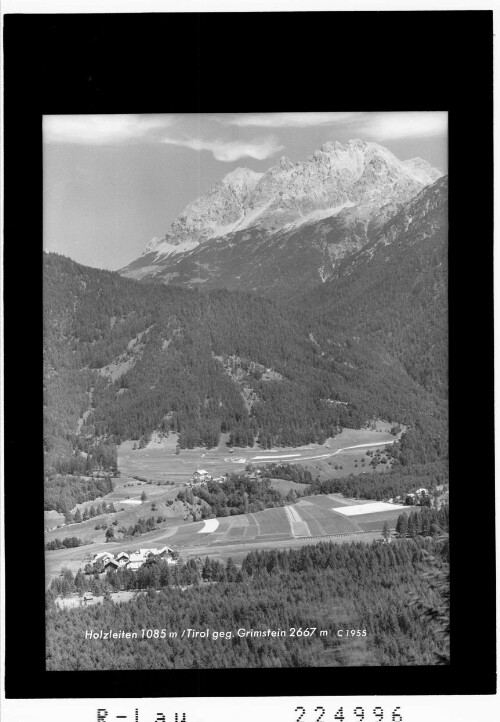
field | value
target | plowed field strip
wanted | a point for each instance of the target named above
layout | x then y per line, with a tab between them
293	513
298	525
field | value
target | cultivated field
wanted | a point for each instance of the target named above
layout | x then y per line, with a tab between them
322	521
306	520
371	522
310	518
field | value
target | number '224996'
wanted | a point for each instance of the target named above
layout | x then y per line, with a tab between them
358	713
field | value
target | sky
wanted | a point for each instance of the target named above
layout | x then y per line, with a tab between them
113	182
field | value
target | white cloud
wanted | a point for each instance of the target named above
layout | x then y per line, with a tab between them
417	124
102	129
286	120
231	150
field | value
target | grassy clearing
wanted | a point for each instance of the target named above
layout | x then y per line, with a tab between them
354	461
323	501
52	519
369	522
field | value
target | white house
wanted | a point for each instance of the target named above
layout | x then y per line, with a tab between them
201	475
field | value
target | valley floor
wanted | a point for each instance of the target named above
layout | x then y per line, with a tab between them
158	461
308	521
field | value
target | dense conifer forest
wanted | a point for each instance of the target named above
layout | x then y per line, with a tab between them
123	358
63	493
290	472
383	588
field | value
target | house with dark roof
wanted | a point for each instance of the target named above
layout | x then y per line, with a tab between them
110	564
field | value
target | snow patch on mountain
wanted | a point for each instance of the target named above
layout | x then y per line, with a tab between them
165	249
322	213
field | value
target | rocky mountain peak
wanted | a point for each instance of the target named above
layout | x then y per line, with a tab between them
358	175
285	163
422	168
241	181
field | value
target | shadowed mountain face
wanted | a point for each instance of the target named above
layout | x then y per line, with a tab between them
393	293
287	228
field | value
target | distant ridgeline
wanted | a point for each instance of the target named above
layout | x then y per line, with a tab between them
123	358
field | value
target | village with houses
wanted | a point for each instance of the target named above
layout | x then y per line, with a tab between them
105	561
201	477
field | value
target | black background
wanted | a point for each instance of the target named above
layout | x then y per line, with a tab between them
151	63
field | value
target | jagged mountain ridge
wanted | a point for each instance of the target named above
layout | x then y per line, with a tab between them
312	213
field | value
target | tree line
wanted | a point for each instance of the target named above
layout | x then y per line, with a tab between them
67	543
398	481
63	493
424	523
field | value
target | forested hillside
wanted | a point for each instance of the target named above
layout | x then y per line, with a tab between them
389	302
382	589
124	358
394	292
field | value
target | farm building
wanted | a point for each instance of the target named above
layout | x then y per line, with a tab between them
110	564
163	552
201	475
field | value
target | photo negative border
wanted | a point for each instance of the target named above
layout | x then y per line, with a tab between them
255	62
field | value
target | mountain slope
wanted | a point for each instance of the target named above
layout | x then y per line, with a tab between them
123	358
393	293
255	231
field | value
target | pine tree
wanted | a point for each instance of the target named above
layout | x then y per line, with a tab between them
402	525
386	531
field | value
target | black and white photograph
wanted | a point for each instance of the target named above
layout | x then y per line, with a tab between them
248	376
245	390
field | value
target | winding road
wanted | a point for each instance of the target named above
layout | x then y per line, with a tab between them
298	457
